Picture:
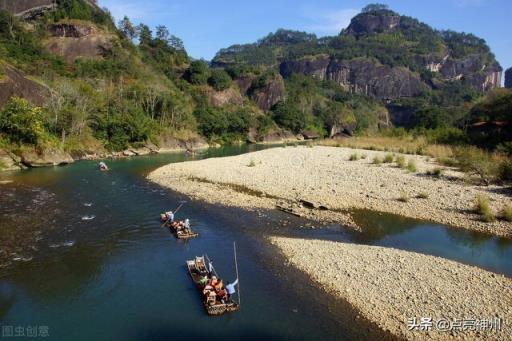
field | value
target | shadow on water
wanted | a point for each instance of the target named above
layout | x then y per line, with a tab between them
118	275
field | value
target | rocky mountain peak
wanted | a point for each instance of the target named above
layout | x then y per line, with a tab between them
508	78
374	18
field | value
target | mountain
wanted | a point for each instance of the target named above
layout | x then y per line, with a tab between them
508	78
383	55
75	84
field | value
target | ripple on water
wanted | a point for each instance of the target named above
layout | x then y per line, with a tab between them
88	217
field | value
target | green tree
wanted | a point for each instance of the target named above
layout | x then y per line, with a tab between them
127	28
289	116
21	122
198	72
219	80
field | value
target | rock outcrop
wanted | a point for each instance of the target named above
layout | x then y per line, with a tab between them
31	9
370	23
231	96
9	161
269	94
46	157
169	143
361	75
15	83
75	39
508	78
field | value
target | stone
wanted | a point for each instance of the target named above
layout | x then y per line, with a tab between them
46	157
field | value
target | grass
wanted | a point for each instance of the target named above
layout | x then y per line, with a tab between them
484	208
389	158
354	157
377	160
423	195
506	213
252	163
436	172
411	166
400	161
403	197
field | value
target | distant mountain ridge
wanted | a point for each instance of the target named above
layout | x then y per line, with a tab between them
378	44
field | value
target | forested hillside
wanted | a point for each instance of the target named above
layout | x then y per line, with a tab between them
74	82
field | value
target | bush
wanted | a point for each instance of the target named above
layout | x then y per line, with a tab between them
219	80
354	157
436	172
411	166
198	72
484	209
423	195
377	160
476	161
505	171
252	163
289	116
400	161
506	213
22	123
403	197
388	158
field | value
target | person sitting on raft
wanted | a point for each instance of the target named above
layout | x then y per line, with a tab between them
186	225
169	216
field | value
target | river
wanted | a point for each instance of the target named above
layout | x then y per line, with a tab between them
83	254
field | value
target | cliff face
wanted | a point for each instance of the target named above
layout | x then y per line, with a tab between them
508	78
30	9
362	76
73	40
370	23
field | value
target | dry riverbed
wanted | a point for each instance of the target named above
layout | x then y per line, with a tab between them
391	287
324	177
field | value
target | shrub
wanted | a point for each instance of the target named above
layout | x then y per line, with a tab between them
198	72
377	160
289	116
400	161
476	161
354	157
423	195
505	171
484	209
403	197
411	166
21	122
252	163
506	213
219	80
388	158
437	172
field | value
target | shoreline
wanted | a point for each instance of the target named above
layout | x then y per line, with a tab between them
320	183
389	287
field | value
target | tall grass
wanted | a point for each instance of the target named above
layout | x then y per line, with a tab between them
411	166
483	208
506	213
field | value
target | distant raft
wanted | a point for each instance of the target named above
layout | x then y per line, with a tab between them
216	299
180	229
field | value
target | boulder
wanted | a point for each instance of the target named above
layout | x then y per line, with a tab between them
9	161
15	83
46	157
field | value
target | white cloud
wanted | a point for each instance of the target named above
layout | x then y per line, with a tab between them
329	21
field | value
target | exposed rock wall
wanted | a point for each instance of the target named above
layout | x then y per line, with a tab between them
508	78
369	23
15	83
74	40
362	76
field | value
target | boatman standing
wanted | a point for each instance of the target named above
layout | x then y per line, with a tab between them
230	288
170	216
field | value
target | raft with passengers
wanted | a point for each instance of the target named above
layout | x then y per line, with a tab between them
180	228
217	297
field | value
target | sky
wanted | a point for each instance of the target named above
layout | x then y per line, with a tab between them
207	26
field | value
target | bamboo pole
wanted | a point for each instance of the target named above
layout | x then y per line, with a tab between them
236	270
174	212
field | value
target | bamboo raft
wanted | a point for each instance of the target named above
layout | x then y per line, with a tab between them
181	233
197	270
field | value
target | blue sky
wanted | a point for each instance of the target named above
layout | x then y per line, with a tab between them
206	26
